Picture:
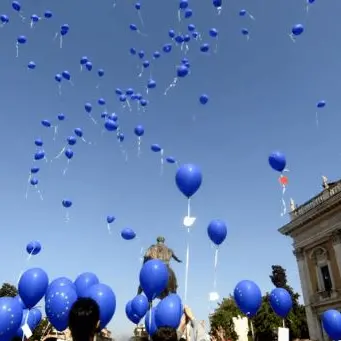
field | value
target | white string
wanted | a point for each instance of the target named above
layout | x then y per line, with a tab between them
139	140
109	228
215	268
187	266
162	161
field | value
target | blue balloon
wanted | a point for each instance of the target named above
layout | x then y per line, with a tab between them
156	148
32	318
35	317
277	161
140	305
281	302
58	304
331	321
66	203
33	247
153	278
203	99
168	312
128	234
131	315
139	131
39	155
170	159
297	29
48	14
217	231
149	322
106	300
11	314
32	286
110	219
321	104
88	66
188	179
248	297
84	282
60	282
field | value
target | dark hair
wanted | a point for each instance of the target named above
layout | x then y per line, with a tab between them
83	319
165	334
51	339
16	338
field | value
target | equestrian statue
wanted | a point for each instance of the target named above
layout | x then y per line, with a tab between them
161	251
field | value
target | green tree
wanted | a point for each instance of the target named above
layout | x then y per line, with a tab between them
41	330
8	290
221	319
296	320
266	322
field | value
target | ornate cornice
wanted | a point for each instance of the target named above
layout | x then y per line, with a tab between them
328	205
299	254
336	237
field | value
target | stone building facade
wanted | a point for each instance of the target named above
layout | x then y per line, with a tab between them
315	228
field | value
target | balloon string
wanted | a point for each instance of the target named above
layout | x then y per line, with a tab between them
283	323
162	161
150	317
284	206
188	207
55	132
30	255
141	254
187	266
317	120
139	140
216	253
252	330
109	228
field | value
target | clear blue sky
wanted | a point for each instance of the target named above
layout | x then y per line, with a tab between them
263	95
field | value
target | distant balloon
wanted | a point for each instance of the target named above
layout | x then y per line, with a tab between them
217	231
203	99
128	234
277	161
33	248
188	179
297	30
321	104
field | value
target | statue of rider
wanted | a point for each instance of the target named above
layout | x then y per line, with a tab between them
161	251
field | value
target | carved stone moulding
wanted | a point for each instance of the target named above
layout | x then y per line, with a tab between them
299	254
319	254
336	237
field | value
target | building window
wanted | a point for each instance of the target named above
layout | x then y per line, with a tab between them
326	278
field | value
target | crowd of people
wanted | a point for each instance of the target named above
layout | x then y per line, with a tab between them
84	322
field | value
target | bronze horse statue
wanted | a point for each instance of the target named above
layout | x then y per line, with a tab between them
162	252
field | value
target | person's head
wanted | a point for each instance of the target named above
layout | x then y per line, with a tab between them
160	240
165	334
84	319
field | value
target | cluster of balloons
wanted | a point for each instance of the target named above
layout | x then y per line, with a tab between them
20	315
248	298
167	313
